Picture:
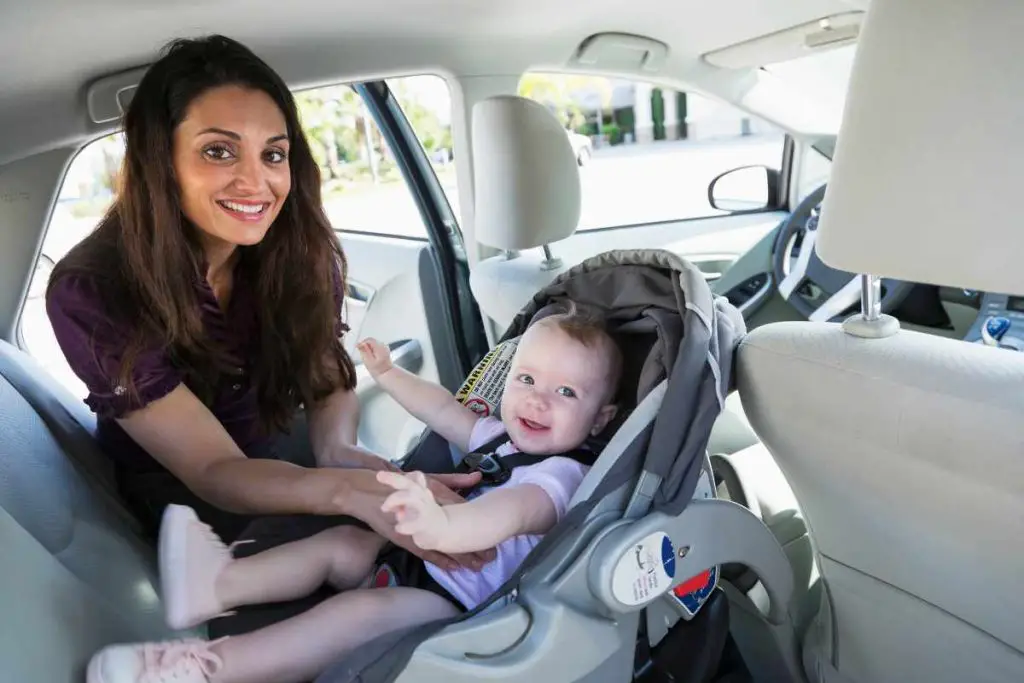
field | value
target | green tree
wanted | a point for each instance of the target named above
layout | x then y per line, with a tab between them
563	93
334	121
433	134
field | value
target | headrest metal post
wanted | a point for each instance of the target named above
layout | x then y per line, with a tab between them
871	323
550	262
871	297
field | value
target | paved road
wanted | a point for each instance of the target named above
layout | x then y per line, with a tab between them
620	186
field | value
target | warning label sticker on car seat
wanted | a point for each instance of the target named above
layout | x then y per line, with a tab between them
645	571
481	392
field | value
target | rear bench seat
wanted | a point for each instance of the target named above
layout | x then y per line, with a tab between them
74	573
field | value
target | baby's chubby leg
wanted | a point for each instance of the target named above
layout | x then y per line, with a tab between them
200	579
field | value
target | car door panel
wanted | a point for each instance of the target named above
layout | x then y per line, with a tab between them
386	301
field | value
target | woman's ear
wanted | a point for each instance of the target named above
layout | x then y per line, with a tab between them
604	416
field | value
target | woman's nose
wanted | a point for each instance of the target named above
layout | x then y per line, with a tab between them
249	174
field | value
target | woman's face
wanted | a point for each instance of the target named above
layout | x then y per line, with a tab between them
231	164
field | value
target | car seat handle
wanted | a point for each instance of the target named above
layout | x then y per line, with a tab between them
636	563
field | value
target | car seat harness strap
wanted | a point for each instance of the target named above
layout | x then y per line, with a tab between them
497	469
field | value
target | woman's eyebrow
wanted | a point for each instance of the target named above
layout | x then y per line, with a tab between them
236	136
219	131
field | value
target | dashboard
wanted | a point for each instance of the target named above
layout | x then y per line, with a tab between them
1000	322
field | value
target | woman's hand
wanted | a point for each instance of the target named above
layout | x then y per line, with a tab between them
349	457
362	496
376	356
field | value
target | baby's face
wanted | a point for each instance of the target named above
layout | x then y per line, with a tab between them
557	392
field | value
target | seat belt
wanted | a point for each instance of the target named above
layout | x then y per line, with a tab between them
497	469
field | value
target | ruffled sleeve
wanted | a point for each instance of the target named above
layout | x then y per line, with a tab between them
94	346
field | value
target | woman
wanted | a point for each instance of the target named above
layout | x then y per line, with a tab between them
203	312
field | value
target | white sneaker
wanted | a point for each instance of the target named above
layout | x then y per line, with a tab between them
182	661
191	559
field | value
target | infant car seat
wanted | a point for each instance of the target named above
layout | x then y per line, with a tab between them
639	551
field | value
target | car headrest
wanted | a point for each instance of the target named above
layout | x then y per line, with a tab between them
527	183
927	170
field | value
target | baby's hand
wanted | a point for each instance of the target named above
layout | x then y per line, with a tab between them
417	514
376	356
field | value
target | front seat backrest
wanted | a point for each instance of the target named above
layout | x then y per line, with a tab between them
906	452
526	196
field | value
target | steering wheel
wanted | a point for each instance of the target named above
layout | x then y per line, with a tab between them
799	271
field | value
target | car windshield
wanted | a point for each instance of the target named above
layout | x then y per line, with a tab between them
823	77
807	92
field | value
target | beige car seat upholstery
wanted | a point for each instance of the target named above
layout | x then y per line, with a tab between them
906	450
527	196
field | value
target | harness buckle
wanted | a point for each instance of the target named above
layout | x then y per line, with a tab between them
494	472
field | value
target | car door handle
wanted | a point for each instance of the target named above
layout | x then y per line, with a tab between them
405	353
358	292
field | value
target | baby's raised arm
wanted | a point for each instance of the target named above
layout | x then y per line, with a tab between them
428	402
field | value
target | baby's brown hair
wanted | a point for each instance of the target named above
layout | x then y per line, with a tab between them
589	328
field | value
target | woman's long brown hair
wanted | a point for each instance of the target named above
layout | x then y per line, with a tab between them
145	256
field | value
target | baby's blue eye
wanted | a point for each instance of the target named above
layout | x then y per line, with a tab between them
566	391
525	379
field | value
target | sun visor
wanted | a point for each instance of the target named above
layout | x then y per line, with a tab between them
926	184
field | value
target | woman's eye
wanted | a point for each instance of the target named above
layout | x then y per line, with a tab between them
526	379
566	391
275	156
217	153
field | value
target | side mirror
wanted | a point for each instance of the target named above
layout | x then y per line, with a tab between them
745	189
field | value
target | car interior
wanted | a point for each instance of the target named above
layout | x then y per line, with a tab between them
876	425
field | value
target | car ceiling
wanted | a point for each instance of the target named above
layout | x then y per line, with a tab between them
50	50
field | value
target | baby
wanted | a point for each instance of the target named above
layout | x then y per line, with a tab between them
560	390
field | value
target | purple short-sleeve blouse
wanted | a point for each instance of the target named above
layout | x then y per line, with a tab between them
94	343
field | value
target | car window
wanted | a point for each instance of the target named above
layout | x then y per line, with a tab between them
363	190
814	170
647	154
85	195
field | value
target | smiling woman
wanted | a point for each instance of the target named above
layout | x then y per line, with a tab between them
233	183
203	312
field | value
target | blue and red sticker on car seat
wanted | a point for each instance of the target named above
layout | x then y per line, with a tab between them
695	591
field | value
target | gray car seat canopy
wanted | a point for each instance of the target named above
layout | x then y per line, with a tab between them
561	616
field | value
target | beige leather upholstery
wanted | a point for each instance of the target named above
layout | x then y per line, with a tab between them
929	156
527	195
907	457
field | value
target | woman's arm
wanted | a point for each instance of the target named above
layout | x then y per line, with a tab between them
185	437
483	522
428	402
333	434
